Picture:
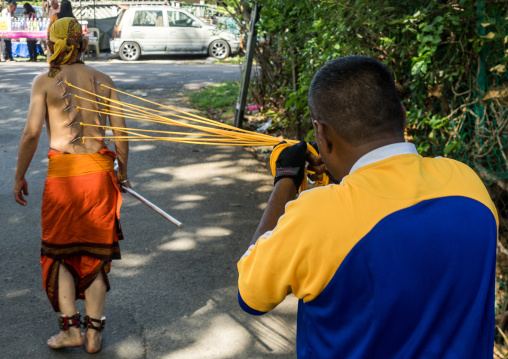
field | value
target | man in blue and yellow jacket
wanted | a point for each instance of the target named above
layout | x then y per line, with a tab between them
396	261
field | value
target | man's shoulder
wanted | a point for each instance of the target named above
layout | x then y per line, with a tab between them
97	74
103	77
457	168
319	197
83	68
40	80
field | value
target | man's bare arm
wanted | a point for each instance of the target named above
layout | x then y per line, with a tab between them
122	147
29	139
283	192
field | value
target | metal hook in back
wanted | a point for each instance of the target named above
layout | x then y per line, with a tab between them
75	139
100	84
68	107
72	123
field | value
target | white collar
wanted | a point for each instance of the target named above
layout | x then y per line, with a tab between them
382	153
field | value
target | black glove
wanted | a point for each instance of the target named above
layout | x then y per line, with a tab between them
291	163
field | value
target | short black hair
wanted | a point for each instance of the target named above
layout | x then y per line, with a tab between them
356	96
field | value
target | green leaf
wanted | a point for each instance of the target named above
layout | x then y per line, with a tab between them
309	135
450	147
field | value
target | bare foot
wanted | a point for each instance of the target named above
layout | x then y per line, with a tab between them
72	338
93	341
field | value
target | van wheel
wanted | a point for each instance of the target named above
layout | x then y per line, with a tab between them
129	51
219	49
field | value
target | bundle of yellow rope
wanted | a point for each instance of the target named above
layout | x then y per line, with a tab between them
304	186
210	132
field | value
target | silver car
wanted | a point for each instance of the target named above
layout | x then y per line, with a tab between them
158	30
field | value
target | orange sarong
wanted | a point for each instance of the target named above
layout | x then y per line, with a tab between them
80	219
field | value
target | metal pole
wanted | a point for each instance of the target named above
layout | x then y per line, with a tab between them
251	43
153	206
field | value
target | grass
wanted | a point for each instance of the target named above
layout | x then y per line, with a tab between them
217	101
233	60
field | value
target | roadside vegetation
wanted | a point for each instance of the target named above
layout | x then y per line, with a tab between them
449	62
217	101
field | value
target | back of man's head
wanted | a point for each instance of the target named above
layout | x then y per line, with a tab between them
356	96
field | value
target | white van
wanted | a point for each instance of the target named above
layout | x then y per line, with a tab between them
159	29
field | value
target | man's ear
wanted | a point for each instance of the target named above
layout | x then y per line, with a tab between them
321	132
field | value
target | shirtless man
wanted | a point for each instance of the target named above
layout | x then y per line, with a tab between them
78	243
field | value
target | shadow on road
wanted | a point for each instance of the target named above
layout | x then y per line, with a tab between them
174	293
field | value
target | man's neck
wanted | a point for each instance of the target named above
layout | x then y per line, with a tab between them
348	155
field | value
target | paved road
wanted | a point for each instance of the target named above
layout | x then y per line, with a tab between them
174	292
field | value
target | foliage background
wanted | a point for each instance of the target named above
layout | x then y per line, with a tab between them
448	58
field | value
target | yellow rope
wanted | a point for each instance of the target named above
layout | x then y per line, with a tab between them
245	135
193	117
218	134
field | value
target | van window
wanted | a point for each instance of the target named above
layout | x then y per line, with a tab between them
119	17
179	19
148	18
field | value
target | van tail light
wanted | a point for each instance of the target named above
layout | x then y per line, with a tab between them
117	31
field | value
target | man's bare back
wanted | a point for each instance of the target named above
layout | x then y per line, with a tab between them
53	102
64	111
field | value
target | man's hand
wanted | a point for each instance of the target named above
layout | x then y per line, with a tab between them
125	184
316	164
291	163
20	188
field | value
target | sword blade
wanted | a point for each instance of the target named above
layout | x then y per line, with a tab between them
153	206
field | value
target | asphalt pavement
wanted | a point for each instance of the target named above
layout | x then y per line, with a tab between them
174	292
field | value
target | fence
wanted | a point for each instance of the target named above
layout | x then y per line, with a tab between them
107	9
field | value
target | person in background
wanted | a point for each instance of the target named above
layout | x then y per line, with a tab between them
65	10
6	43
32	47
52	8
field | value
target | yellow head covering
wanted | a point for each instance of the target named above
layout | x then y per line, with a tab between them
65	35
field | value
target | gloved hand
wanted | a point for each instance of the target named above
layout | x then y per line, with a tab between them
316	163
291	162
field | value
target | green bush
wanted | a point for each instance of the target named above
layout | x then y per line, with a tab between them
448	59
